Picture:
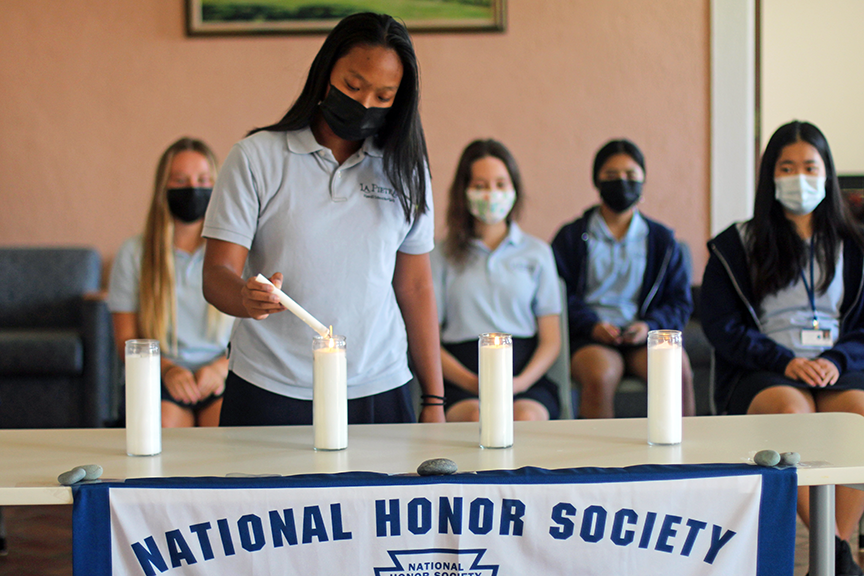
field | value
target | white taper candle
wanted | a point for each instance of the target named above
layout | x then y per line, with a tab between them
295	308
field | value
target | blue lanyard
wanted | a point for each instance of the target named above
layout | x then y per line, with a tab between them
811	289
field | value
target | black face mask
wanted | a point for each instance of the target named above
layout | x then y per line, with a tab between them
349	119
619	195
188	204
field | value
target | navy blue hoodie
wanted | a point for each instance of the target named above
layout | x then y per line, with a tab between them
730	317
664	300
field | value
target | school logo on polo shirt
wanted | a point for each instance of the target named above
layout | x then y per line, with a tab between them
377	192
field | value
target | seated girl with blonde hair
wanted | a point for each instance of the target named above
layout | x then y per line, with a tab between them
155	289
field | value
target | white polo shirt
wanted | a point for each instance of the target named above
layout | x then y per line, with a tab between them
333	232
616	269
501	290
197	344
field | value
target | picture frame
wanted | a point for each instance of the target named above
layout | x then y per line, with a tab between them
246	17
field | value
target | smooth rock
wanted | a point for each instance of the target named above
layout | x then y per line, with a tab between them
72	476
790	458
93	471
437	467
767	458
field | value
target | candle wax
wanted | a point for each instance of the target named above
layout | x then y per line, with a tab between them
143	405
496	396
330	398
664	394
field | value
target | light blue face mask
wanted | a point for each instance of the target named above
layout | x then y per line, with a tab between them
799	194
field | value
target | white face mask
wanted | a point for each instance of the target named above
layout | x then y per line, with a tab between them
800	194
490	206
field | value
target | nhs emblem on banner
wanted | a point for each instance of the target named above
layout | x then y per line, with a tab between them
437	561
646	520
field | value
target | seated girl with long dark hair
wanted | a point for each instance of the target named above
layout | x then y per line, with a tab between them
782	305
492	277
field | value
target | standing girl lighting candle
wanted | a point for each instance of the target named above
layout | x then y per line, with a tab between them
782	302
155	289
333	204
492	277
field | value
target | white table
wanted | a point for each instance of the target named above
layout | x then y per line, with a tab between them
32	459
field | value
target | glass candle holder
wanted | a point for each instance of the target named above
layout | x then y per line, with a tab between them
496	390
664	387
329	393
143	398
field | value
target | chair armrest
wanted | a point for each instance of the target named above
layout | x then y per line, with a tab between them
100	363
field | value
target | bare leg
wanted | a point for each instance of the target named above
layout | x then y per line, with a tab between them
850	502
688	396
787	400
598	369
209	416
636	361
527	409
174	416
464	411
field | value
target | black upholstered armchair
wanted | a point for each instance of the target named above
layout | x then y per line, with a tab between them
57	359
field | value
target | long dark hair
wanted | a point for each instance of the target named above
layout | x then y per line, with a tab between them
401	138
460	222
612	148
777	252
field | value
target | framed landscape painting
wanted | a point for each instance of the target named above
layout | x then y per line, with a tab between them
224	17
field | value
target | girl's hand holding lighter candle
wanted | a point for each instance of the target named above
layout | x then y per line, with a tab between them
260	299
294	307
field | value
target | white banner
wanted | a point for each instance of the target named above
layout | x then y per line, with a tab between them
615	525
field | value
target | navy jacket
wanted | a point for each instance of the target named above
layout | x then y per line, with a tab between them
664	300
730	317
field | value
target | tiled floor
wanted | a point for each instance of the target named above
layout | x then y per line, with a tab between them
40	542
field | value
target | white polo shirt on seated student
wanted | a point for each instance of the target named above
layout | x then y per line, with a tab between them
616	269
333	232
501	290
197	343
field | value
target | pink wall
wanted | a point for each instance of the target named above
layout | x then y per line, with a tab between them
94	90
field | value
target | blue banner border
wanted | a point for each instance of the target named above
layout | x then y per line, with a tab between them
775	557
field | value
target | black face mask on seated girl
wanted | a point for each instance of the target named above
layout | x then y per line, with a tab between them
188	204
619	195
349	119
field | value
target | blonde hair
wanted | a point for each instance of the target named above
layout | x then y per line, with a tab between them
157	311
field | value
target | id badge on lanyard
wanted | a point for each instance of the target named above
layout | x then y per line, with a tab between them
814	337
